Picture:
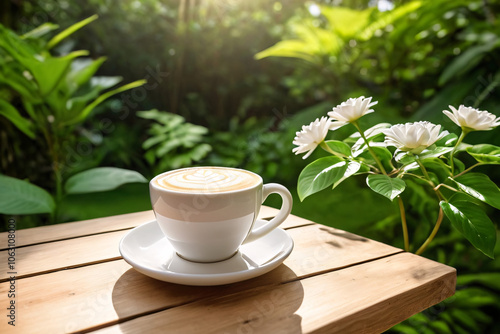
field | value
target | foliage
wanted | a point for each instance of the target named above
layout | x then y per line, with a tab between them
173	142
20	197
251	146
418	57
46	97
101	179
23	197
442	52
423	153
206	48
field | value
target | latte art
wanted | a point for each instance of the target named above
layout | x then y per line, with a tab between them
207	179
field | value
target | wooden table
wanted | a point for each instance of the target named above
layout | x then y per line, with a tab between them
71	278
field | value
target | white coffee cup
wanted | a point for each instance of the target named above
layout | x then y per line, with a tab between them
206	213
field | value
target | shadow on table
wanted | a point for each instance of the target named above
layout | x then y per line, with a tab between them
344	234
264	304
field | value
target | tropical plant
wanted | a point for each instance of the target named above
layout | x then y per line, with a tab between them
424	155
47	97
173	142
206	48
256	145
20	197
410	56
472	74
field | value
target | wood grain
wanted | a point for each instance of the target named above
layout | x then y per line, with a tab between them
367	298
75	252
57	232
42	234
104	294
57	255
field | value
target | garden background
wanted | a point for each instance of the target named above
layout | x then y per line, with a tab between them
229	83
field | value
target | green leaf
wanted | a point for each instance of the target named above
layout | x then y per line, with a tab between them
339	147
81	72
15	45
49	71
352	168
40	30
11	113
102	83
438	166
473	223
440	326
76	104
289	48
475	297
167	146
460	196
491	280
388	17
101	179
18	197
346	22
200	151
320	174
485	153
70	30
381	152
152	141
385	185
363	168
25	88
405	158
464	319
163	117
449	140
467	60
88	109
46	69
434	152
479	186
459	165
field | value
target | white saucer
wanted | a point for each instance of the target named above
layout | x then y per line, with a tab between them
147	250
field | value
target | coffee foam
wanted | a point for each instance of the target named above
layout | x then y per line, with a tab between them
207	180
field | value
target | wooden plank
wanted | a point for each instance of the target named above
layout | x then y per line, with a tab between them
291	222
375	296
104	294
57	255
63	231
42	234
367	298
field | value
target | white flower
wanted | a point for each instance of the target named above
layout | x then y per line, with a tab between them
413	137
352	109
472	119
312	135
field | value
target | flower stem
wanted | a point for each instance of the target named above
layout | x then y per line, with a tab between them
446	186
468	169
459	141
433	233
403	223
440	215
377	160
424	171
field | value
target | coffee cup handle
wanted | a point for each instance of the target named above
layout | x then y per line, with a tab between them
286	208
